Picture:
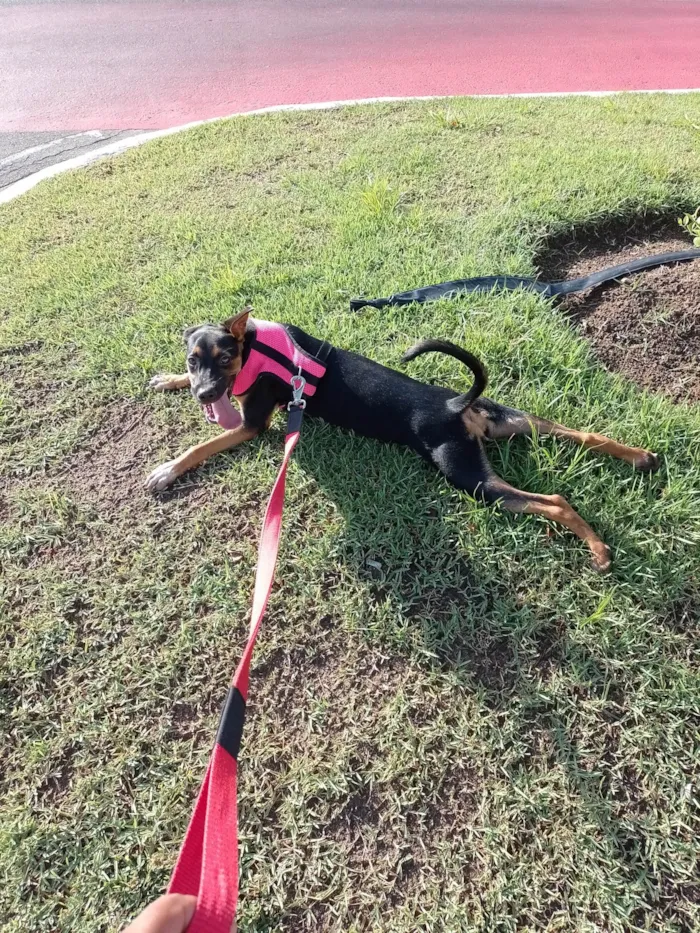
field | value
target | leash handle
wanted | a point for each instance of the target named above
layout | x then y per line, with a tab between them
207	865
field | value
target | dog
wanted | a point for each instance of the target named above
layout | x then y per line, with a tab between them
447	429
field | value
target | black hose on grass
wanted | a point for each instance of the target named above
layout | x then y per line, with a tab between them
512	282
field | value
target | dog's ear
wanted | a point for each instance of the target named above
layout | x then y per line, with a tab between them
186	334
236	325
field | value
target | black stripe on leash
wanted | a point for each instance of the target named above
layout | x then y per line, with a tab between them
231	723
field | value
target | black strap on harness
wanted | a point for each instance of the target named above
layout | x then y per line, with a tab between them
284	361
512	282
319	350
323	352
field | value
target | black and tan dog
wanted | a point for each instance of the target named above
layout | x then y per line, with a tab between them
445	428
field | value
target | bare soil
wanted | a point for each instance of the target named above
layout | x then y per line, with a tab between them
646	326
109	470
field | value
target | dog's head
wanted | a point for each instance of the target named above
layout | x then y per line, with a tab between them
215	356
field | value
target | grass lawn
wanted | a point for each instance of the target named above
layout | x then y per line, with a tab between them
454	723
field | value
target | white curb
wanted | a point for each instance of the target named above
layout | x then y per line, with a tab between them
20	187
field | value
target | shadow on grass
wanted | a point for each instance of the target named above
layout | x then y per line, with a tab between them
470	618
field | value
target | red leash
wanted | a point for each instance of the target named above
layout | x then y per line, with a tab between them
207	865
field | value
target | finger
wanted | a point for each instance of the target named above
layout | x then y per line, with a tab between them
171	913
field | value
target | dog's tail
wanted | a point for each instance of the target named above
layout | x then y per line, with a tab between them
461	402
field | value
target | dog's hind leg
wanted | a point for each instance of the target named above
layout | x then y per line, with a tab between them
466	466
504	422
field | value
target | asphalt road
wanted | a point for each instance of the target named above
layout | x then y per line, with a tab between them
24	153
70	67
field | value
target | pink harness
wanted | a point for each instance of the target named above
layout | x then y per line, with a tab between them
273	351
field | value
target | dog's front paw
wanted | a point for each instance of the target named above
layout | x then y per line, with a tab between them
165	382
163	476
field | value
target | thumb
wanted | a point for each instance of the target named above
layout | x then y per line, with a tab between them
171	913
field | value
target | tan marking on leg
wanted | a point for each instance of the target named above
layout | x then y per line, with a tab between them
166	474
201	452
557	509
640	459
475	422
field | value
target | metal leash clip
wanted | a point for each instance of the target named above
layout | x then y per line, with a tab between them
298	382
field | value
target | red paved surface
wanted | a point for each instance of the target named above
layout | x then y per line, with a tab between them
152	64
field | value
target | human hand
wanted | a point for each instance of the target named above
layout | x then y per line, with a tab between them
171	913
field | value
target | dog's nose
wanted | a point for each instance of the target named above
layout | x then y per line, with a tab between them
207	395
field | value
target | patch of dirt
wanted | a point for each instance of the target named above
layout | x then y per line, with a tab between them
103	477
109	471
681	620
646	326
358	812
683	615
187	721
21	350
58	781
550	648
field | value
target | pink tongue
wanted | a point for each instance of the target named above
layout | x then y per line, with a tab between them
227	417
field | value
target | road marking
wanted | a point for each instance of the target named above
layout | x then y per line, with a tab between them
20	187
16	156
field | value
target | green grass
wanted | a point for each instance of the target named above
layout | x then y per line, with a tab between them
479	735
